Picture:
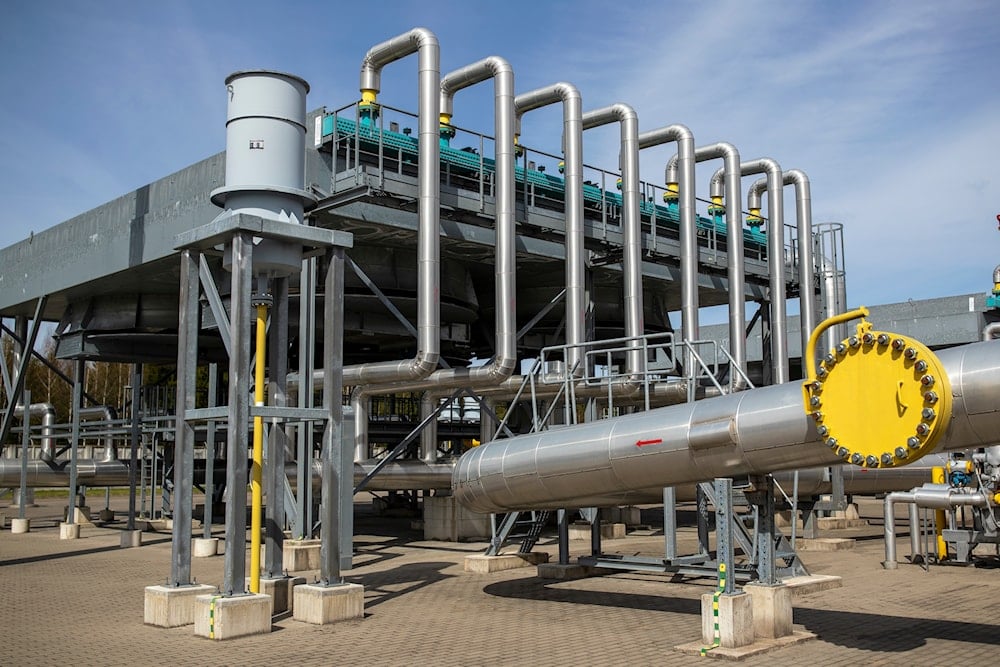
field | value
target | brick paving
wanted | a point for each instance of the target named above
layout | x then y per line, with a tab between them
80	602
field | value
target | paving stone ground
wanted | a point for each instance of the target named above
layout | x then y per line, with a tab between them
80	602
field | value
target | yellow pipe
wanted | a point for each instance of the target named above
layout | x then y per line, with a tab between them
937	477
256	476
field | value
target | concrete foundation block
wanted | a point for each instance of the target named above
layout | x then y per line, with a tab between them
131	539
481	564
218	617
300	555
445	519
813	583
106	515
81	515
609	531
772	610
321	605
824	544
172	606
204	547
564	571
3	520
279	590
736	627
628	515
18	526
69	531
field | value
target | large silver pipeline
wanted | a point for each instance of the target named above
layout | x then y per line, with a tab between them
628	122
425	44
736	269
803	218
752	432
572	141
688	222
933	496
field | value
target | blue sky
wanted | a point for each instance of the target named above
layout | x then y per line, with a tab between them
891	108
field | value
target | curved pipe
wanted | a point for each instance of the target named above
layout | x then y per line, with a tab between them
736	268
803	217
628	122
47	411
752	432
425	44
689	231
934	496
576	303
775	261
991	331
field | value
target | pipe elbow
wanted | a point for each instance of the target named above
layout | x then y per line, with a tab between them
755	193
716	186
423	364
417	39
670	173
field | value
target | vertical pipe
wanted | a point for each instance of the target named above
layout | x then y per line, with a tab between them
429	436
307	351
940	546
669	523
274	517
916	555
234	574
187	371
213	391
562	522
256	470
889	516
135	436
631	231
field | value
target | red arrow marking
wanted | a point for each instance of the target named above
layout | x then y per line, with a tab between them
643	443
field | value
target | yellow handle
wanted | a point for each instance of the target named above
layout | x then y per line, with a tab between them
810	358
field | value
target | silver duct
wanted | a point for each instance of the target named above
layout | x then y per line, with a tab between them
689	230
736	270
572	140
752	432
47	412
626	117
425	44
991	331
803	217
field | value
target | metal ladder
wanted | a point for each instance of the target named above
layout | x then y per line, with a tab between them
530	524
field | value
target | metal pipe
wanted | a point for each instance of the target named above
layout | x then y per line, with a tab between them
48	414
576	301
803	217
257	468
991	331
688	219
753	432
735	268
934	496
425	44
775	261
628	122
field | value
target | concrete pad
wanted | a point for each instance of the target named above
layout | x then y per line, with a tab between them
69	531
772	610
564	571
279	590
300	555
486	564
609	531
131	539
839	523
204	547
220	617
735	618
172	606
824	544
321	605
18	526
813	583
446	519
741	652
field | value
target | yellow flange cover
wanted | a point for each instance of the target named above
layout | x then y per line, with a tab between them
879	399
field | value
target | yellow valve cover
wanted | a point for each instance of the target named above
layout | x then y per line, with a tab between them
879	399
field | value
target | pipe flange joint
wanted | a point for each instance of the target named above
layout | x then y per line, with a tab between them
877	403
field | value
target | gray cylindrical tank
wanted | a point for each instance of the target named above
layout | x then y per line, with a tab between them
265	159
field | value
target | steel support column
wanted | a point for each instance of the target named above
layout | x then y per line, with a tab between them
79	376
210	426
135	437
724	530
187	372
